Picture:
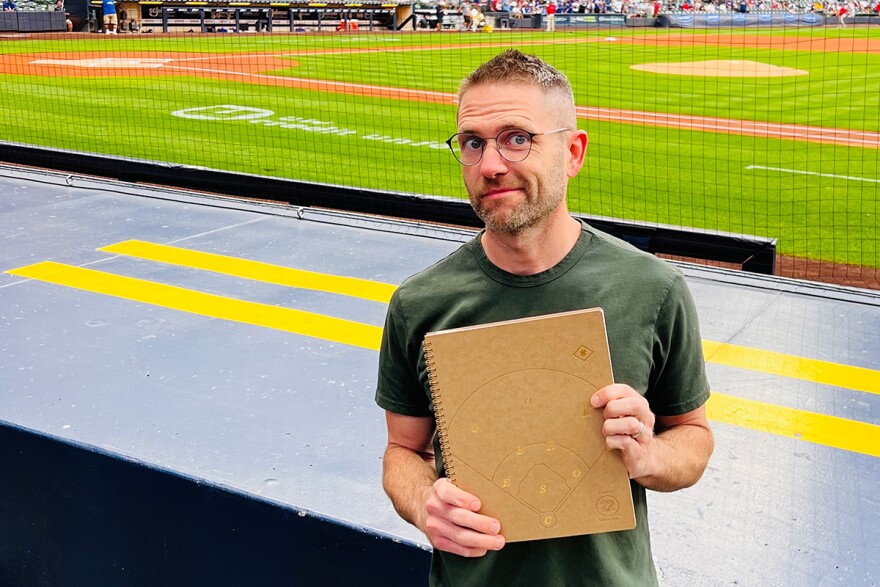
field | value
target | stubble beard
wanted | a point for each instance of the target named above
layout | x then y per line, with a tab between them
540	202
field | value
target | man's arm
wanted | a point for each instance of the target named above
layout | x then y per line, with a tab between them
408	467
446	514
671	452
681	451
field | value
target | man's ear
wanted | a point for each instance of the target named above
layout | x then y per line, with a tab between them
577	151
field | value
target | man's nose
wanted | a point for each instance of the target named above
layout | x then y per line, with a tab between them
492	163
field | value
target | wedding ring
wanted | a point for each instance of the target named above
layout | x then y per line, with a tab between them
641	429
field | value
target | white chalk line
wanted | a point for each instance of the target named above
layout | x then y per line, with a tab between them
727	121
800	172
317	82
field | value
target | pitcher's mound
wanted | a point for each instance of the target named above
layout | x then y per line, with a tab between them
720	68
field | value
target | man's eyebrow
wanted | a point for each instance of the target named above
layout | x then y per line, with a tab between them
503	128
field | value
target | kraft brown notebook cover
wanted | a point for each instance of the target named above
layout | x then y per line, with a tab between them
516	428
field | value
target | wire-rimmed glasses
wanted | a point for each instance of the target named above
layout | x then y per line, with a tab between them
514	144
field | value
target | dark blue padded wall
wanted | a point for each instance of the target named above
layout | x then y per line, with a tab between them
72	515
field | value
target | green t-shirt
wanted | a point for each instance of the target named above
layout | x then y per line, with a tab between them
655	347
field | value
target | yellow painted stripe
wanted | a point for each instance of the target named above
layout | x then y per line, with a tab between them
794	367
214	306
791	366
256	270
830	431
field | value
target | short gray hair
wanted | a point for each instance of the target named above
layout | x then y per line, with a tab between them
513	66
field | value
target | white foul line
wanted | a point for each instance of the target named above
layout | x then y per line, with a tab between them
813	173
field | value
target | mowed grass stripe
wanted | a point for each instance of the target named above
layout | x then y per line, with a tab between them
204	304
255	270
821	429
793	367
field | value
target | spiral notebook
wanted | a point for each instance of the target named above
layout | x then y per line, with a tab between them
516	428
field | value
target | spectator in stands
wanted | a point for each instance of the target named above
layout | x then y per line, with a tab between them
465	9
9	6
68	23
476	17
110	18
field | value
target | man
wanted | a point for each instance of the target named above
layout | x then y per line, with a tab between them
551	17
110	17
519	146
438	15
9	6
476	17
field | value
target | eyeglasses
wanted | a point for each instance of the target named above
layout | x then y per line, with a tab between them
514	145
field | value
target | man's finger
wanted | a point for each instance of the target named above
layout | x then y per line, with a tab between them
627	426
462	540
449	493
478	522
611	392
627	406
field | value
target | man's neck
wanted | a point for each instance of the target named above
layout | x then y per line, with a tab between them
535	250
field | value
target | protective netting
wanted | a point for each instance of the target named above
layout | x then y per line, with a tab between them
771	131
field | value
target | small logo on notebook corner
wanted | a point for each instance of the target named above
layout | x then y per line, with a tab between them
607	505
583	353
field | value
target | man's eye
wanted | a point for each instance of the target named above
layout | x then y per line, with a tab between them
517	139
471	143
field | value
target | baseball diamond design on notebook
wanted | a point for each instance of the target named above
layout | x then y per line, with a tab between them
516	427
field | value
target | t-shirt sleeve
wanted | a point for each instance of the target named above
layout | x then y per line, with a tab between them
678	381
399	389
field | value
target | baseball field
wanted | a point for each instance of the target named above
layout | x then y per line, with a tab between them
772	132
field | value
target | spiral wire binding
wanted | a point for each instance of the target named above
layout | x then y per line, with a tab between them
445	451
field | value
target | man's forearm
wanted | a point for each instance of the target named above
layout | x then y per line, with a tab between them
679	456
407	477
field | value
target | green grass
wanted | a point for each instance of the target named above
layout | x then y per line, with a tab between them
653	174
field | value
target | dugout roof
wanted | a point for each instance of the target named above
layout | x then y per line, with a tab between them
232	345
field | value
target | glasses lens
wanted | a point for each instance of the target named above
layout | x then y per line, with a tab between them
467	148
515	144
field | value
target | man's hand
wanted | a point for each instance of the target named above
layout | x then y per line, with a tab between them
663	453
445	513
629	425
454	525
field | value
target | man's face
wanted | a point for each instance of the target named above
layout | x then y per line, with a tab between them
512	197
